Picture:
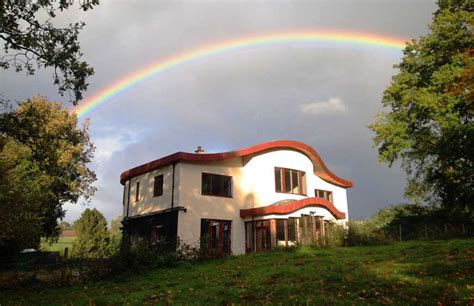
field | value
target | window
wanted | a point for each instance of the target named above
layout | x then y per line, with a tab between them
215	235
290	181
323	194
158	186
280	232
137	192
216	185
286	232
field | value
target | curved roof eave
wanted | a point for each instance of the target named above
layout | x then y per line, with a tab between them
320	168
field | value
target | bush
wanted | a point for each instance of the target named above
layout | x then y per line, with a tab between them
336	234
362	233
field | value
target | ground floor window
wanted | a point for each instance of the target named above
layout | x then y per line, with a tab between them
216	235
261	235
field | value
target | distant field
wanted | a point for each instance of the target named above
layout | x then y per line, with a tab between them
62	243
406	273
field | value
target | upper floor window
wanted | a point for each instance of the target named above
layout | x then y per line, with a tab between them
216	185
158	186
324	194
290	181
137	192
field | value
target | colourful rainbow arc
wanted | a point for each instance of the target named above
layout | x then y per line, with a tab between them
162	65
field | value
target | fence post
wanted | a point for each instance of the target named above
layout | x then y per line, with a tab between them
445	228
463	229
66	250
400	231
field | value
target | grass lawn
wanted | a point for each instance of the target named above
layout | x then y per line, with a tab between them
404	273
62	243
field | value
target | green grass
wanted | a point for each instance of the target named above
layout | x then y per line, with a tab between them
404	273
59	246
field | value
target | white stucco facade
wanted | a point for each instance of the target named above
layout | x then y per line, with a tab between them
253	186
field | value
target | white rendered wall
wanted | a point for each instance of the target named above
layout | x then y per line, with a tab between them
147	203
200	206
253	185
259	173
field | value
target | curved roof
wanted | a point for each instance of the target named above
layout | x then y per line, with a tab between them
292	206
320	169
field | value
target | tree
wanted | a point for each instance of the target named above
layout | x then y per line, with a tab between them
43	164
115	226
31	40
65	226
429	126
92	235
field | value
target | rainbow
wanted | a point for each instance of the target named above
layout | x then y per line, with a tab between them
162	65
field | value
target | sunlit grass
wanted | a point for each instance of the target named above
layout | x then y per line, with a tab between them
403	273
59	246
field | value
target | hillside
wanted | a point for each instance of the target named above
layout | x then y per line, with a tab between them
402	273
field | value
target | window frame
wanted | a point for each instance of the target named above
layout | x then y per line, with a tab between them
155	189
327	195
302	187
221	187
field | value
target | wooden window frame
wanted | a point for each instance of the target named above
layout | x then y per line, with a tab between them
301	179
158	191
327	195
220	237
221	187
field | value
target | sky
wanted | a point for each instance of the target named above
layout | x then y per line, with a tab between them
324	95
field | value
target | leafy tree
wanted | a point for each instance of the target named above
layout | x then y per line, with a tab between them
43	164
429	126
65	226
115	226
31	40
92	235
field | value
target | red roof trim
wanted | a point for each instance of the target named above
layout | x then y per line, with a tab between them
292	207
320	168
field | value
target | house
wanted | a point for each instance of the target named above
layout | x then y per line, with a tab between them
277	193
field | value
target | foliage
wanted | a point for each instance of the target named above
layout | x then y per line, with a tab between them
336	234
116	227
415	272
65	226
361	233
421	222
93	239
43	164
429	126
32	40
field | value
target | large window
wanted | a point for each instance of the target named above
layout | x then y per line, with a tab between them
324	194
216	235
158	186
216	185
286	232
290	181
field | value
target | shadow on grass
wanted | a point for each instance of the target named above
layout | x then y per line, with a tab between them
404	273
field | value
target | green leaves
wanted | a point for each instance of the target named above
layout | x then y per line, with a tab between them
29	44
429	118
43	164
92	235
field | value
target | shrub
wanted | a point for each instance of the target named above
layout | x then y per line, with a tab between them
361	233
336	234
